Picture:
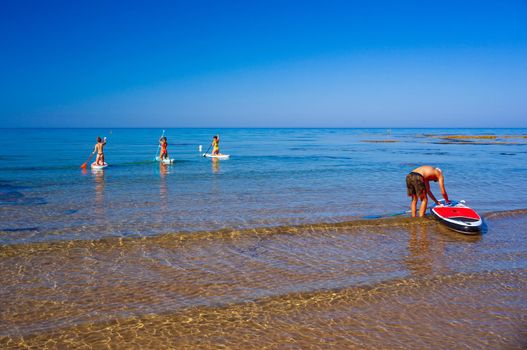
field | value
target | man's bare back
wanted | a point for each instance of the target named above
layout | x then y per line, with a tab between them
429	172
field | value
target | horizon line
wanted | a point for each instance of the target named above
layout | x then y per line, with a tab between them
257	127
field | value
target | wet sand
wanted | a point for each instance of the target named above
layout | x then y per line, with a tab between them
484	311
396	283
445	139
479	139
380	141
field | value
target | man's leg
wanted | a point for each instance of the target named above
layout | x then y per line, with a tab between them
424	204
413	205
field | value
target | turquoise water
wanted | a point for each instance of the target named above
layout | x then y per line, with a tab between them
274	177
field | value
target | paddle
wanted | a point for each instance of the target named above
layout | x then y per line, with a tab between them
83	166
159	145
207	151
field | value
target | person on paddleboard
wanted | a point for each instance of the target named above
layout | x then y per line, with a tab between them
99	148
163	143
418	187
216	145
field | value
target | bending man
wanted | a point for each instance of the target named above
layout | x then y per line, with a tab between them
418	187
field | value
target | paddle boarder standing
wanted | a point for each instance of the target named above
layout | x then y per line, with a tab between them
99	148
418	187
163	143
216	145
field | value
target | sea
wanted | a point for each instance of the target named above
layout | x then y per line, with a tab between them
301	239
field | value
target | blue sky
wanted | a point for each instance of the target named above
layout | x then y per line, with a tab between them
263	64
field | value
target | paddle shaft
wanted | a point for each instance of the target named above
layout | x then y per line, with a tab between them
87	160
207	151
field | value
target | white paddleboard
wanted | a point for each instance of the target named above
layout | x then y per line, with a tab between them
166	160
217	156
98	167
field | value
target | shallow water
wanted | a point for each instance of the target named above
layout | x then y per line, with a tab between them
275	177
301	240
350	284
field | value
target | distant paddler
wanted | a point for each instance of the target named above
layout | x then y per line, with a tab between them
215	144
99	150
162	156
163	144
418	187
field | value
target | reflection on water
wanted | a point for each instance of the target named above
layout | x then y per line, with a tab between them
100	210
419	261
215	165
163	192
163	170
427	250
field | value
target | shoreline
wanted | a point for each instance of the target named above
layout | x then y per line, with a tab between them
180	236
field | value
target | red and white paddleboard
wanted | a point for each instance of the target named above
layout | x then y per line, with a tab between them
458	217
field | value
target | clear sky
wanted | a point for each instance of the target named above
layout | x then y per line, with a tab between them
263	63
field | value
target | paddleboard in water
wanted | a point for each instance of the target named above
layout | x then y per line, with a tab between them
217	156
458	216
165	161
95	166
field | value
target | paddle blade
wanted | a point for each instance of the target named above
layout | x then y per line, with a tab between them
83	166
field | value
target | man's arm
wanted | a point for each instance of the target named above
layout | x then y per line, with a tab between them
94	150
429	192
442	188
